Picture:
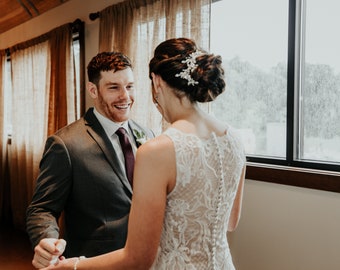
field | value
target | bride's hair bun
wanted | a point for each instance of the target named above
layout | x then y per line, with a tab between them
192	72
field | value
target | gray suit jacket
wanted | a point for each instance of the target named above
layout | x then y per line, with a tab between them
80	175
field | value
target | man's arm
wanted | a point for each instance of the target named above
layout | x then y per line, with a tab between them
51	192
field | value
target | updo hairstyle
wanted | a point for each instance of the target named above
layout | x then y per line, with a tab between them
209	74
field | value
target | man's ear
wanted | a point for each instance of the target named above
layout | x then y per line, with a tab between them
92	88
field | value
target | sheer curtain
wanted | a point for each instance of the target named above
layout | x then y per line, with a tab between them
31	74
142	25
115	28
42	83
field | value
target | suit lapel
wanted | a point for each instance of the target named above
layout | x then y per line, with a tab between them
136	128
98	134
133	127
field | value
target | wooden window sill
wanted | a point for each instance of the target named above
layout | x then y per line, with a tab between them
299	177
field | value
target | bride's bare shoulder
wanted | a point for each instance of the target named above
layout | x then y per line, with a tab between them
157	146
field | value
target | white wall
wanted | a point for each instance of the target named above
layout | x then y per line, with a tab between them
281	228
287	228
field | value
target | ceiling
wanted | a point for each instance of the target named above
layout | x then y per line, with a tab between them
16	12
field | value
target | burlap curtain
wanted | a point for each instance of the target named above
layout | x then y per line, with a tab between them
136	27
2	133
43	91
62	98
115	28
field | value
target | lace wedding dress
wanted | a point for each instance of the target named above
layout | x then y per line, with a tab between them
198	209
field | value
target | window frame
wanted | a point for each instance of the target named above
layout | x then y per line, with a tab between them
290	171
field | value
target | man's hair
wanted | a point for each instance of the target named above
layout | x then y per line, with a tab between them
106	61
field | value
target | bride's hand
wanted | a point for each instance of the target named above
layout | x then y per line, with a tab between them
63	264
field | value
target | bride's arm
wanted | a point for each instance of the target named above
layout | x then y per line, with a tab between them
237	205
155	172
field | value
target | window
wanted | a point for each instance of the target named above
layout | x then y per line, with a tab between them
77	52
319	113
7	97
254	52
283	86
78	77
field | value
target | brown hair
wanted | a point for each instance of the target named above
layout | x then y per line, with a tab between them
106	61
169	60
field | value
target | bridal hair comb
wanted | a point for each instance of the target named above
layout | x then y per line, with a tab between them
191	65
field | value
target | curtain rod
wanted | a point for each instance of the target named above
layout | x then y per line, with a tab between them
76	26
94	16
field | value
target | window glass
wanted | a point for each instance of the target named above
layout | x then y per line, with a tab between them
319	116
76	53
252	37
7	98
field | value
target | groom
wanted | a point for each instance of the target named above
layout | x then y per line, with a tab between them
82	171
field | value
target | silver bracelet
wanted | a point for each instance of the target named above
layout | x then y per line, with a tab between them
77	261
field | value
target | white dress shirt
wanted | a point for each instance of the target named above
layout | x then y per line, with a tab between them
110	128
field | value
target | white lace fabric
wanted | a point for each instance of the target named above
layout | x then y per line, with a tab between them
198	209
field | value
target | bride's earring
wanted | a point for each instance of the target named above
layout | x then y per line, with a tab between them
155	100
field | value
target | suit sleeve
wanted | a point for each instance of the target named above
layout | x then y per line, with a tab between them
52	189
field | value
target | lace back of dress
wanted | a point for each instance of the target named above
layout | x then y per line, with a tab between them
198	208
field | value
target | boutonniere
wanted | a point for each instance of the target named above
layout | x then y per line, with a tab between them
140	137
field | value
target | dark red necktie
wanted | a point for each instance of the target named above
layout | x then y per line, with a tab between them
128	153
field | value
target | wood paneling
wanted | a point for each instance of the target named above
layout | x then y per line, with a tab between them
16	12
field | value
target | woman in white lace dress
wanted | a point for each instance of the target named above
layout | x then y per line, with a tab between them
188	182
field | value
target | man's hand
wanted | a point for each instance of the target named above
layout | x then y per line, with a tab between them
47	252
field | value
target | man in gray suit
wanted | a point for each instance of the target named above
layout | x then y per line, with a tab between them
82	171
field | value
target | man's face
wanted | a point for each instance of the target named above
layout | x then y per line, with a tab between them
115	95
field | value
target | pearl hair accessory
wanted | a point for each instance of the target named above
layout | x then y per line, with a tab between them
191	66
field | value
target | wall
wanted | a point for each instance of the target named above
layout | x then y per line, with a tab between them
281	228
287	228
